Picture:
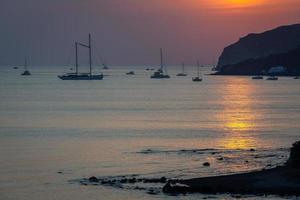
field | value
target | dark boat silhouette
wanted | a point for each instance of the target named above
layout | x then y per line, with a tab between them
296	77
160	74
104	65
26	71
272	78
182	73
130	73
198	78
258	77
82	76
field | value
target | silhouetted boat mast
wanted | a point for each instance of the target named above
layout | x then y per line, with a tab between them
197	79
159	74
89	46
26	72
183	71
82	76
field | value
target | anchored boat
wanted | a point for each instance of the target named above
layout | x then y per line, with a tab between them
198	78
257	77
161	72
26	71
183	72
82	76
272	78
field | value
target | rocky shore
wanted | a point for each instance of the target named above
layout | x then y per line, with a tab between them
284	180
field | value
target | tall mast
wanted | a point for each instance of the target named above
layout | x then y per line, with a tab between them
25	65
183	65
90	52
161	59
76	57
198	68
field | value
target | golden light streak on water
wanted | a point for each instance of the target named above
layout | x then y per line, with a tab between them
238	116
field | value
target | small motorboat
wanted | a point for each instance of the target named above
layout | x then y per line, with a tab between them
272	78
130	73
197	79
257	77
159	75
297	77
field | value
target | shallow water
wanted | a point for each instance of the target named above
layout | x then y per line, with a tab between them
126	125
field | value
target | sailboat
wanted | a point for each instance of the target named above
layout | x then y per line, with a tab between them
182	73
159	74
82	76
26	72
198	78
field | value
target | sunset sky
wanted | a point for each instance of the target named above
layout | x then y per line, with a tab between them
130	32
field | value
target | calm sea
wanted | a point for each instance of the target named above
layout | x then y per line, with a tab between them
54	132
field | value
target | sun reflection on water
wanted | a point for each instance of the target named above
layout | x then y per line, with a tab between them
237	115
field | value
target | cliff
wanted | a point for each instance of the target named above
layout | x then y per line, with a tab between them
255	46
290	60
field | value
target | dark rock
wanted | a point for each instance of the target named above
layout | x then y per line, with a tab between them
124	180
132	180
206	164
220	158
163	179
252	150
294	159
105	182
93	179
155	180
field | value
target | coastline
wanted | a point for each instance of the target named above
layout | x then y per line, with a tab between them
282	181
237	74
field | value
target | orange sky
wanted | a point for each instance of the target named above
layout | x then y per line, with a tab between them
130	32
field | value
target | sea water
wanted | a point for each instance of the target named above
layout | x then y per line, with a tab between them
54	133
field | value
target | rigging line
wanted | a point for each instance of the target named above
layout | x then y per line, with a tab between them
70	57
98	55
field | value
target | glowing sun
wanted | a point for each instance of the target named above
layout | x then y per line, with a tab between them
242	3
